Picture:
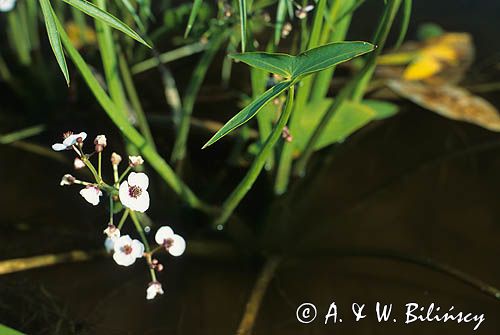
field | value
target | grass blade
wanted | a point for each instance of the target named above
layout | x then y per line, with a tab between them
192	16
407	5
53	34
169	56
97	13
243	23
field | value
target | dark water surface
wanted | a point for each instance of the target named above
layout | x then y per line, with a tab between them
417	184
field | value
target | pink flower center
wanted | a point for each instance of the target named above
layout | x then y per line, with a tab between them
127	249
135	191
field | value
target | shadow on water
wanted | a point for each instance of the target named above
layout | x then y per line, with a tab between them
416	184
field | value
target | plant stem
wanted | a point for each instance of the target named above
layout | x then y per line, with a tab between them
111	205
258	292
99	163
140	230
124	217
246	184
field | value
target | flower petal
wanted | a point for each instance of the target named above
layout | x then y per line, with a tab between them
138	179
163	233
141	204
137	249
59	147
178	246
124	194
123	259
121	242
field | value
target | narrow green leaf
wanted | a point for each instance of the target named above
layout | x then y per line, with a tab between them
192	16
53	34
21	134
278	63
249	111
382	109
97	13
280	20
243	23
4	330
328	55
405	22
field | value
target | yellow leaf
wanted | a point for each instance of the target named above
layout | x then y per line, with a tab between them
422	68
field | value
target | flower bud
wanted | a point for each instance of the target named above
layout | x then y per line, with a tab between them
135	161
78	163
67	179
115	158
100	143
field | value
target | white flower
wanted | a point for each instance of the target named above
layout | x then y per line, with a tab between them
78	164
69	140
135	160
127	250
153	290
91	194
109	244
67	179
174	243
133	192
7	5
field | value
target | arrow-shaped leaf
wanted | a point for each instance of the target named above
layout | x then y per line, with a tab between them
55	41
278	63
192	16
328	55
99	14
249	111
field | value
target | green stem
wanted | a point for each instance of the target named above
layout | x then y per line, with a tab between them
124	217
246	184
124	174
111	205
140	230
99	164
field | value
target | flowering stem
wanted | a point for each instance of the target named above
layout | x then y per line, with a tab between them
147	249
111	204
99	161
139	229
92	169
124	217
115	174
124	174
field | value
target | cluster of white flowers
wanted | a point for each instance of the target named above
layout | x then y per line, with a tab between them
7	5
133	196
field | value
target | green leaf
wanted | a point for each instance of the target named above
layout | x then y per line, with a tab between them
328	55
192	16
249	111
405	22
4	330
97	13
349	118
308	62
383	109
53	34
278	63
